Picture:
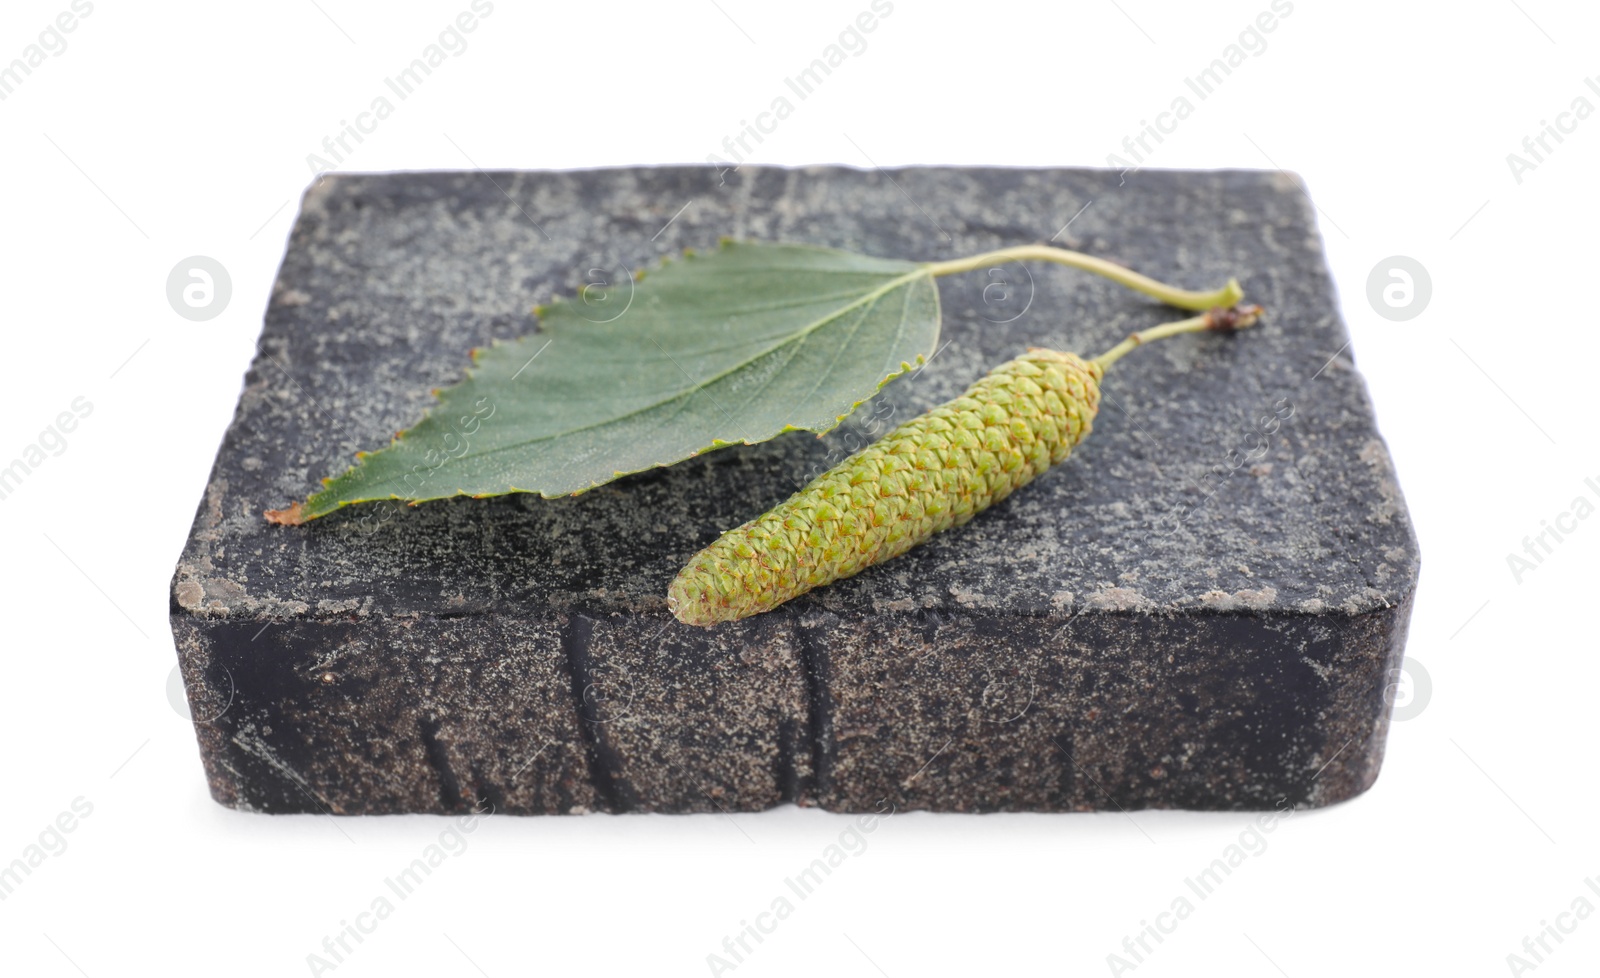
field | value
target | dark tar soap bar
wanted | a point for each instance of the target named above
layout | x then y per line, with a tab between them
1203	608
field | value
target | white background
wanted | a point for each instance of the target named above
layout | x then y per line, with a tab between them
182	129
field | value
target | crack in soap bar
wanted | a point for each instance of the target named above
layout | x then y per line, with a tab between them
1203	608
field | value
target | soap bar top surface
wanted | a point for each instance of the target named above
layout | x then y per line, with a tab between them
1229	473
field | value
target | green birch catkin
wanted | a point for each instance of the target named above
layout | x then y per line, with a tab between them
932	473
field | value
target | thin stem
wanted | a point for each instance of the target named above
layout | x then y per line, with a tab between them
1182	298
1218	320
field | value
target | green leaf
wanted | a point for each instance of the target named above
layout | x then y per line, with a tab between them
735	346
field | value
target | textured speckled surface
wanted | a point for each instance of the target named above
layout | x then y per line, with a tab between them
1199	609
